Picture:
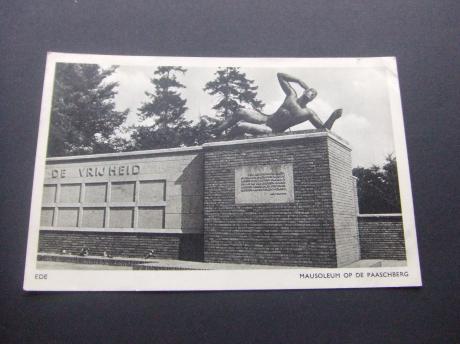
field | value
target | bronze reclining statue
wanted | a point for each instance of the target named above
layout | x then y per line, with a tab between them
293	111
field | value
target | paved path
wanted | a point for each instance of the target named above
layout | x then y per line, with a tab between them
74	266
66	262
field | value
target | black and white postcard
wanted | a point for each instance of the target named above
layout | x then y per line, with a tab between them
175	173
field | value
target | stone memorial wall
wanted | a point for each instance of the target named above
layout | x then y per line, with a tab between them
157	193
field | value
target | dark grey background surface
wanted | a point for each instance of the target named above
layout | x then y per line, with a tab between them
424	35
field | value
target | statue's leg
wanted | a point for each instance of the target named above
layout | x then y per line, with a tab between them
226	124
243	116
252	128
335	116
242	128
247	115
234	132
251	116
316	121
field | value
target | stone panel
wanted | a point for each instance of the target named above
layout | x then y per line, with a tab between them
122	192
151	217
67	217
121	217
49	193
272	183
152	191
95	193
46	217
93	217
70	193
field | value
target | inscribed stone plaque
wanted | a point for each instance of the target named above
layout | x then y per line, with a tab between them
264	184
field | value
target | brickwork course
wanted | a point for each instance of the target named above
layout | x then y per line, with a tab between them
134	245
381	237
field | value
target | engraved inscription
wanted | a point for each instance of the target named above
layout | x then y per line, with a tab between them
264	184
98	171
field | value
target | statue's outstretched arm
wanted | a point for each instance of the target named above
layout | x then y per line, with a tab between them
285	79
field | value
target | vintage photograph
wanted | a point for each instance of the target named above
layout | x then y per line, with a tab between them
168	173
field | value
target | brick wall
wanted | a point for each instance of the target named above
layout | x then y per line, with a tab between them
381	237
136	245
297	234
343	201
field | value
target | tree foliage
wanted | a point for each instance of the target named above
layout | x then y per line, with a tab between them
378	188
203	130
83	115
166	108
233	90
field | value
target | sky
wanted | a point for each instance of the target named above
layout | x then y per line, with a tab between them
360	91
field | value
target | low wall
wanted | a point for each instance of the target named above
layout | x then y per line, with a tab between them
135	245
381	236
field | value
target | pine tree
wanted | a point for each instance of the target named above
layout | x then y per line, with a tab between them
233	90
167	108
83	115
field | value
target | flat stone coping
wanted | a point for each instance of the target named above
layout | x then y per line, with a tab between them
164	151
193	149
282	137
380	215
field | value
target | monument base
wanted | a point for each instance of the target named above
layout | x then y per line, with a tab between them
283	200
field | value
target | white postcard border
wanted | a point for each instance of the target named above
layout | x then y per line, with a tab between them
289	278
